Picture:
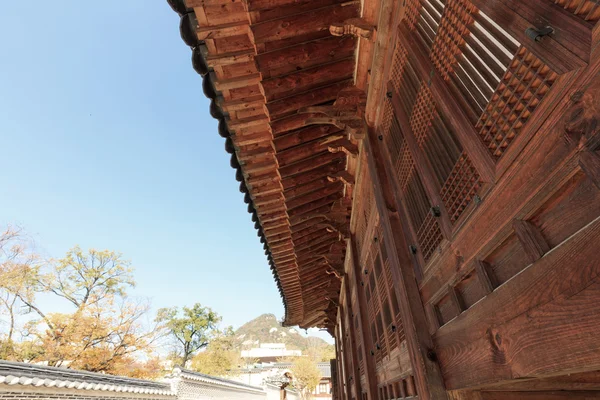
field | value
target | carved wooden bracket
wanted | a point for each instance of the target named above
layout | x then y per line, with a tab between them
346	113
356	27
342	176
345	146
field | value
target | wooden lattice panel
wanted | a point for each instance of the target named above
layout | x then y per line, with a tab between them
423	114
398	150
430	15
521	90
429	236
460	187
589	10
398	64
454	26
411	14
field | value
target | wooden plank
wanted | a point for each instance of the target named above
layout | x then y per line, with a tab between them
429	381
313	97
541	324
303	135
305	55
367	340
589	162
297	25
307	79
554	395
531	239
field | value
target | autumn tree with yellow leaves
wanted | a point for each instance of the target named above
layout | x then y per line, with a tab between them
105	331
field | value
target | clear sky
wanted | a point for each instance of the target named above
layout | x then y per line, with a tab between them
107	143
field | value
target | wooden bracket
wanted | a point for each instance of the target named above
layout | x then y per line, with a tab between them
356	27
345	146
342	176
346	113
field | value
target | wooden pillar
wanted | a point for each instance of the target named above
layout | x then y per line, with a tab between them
367	340
340	368
353	350
428	379
345	355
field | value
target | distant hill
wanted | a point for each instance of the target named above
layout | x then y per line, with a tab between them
266	329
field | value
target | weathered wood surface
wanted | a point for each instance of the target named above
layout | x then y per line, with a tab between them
542	323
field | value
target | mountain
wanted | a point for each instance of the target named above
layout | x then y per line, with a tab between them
267	329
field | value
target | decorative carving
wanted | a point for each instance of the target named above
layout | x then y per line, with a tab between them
356	27
346	113
342	176
345	146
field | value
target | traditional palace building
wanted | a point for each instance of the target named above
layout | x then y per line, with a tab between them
425	178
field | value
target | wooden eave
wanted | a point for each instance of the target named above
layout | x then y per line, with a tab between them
262	61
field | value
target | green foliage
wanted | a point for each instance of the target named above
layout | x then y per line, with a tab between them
191	329
306	376
221	357
88	278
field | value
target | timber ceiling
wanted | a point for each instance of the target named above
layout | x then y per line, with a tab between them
263	61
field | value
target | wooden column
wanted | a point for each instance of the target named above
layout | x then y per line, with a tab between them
367	341
353	350
344	353
340	366
429	382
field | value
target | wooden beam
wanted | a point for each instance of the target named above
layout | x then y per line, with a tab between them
367	340
539	325
305	55
352	334
309	164
531	239
323	171
307	79
553	395
310	149
316	96
302	136
302	24
428	378
589	161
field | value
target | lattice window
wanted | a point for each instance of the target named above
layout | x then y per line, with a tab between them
437	141
429	19
453	28
398	63
423	114
589	10
460	188
429	236
521	90
472	52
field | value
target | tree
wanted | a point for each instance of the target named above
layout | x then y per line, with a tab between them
220	358
106	330
306	376
191	329
19	271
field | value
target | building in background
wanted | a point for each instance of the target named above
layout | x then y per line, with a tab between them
269	352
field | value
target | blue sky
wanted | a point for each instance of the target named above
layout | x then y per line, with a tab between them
107	143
